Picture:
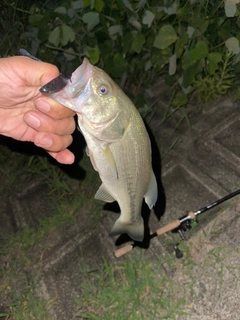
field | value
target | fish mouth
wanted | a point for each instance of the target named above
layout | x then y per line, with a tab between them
79	78
75	85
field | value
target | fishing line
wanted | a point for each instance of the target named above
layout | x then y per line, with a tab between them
182	224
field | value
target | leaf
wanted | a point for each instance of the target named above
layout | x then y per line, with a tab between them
98	5
127	42
172	65
171	9
180	99
148	18
87	3
190	73
180	43
68	35
54	36
192	56
117	29
213	60
190	31
200	51
79	4
138	42
148	65
203	28
35	19
161	58
94	55
166	36
91	19
135	23
230	7
141	4
232	45
118	58
127	4
61	10
71	13
69	55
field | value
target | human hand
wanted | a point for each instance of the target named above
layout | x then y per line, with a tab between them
26	114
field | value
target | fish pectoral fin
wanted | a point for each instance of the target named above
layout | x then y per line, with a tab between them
152	193
89	154
110	160
134	230
103	194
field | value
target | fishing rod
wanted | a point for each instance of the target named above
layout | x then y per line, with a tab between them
182	224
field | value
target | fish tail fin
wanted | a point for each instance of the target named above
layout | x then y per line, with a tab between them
135	230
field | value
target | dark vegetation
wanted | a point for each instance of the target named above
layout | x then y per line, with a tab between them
194	45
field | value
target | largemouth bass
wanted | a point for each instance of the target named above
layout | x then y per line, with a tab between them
117	143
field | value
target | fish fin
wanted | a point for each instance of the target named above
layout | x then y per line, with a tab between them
152	193
89	154
110	159
135	231
103	194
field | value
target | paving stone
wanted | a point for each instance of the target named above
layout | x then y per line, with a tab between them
31	204
216	273
66	269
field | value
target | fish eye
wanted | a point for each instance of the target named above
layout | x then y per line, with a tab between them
103	89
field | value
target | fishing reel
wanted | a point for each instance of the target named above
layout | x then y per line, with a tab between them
181	230
185	226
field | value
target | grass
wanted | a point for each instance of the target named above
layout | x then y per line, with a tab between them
134	289
27	306
18	300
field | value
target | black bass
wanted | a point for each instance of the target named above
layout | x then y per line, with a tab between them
117	143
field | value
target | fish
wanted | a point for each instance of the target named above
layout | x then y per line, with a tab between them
117	143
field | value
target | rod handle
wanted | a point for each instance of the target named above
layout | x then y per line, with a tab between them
120	252
171	226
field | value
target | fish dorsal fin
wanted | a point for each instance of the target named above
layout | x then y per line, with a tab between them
152	193
103	194
110	160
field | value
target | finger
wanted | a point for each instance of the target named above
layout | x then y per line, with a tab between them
63	156
42	122
52	142
43	72
52	108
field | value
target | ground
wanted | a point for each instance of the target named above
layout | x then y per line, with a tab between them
58	262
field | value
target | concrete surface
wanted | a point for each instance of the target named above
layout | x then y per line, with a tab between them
203	166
